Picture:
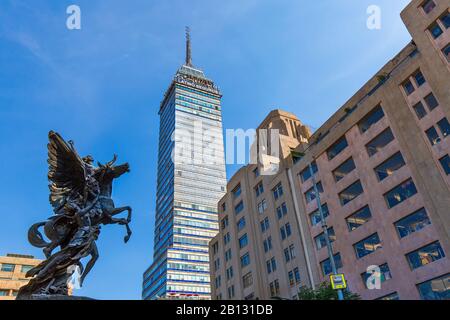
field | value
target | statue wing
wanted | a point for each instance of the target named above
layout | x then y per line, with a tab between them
66	171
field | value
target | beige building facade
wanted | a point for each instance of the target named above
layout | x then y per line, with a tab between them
13	268
382	166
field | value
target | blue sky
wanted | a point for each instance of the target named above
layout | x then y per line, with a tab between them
101	87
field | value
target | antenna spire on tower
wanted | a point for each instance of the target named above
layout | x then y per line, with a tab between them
188	47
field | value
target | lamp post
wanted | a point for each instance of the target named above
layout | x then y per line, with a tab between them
325	228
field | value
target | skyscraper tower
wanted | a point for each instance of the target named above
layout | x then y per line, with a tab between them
191	180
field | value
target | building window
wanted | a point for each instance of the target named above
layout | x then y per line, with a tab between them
352	192
412	223
229	273
383	275
310	195
373	117
239	207
228	255
435	30
315	217
287	256
262	206
226	238
236	191
326	264
216	264
388	167
431	101
400	193
259	189
305	174
337	148
247	280
277	191
340	172
243	241
358	218
433	136
291	278
224	206
218	282
435	289
274	288
271	265
428	6
265	225
445	163
420	79
425	255
241	224
446	52
321	240
256	172
288	229
215	247
420	110
444	127
391	296
231	292
224	222
445	19
408	87
282	210
297	275
267	244
367	245
4	293
7	267
245	260
379	142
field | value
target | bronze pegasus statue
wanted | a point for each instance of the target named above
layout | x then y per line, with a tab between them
80	194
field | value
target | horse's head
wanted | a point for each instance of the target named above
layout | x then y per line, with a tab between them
110	171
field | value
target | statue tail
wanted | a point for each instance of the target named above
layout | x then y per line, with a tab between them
35	237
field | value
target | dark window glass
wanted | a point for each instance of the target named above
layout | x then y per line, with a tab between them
236	191
247	280
245	260
425	255
326	264
436	289
259	189
306	173
428	5
408	86
358	218
445	19
412	223
379	142
373	117
391	165
7	267
400	193
310	195
446	52
391	296
383	275
315	216
445	162
367	245
420	79
321	241
4	293
351	192
239	207
243	241
337	148
277	191
433	136
435	30
431	101
444	126
241	224
420	110
26	268
344	169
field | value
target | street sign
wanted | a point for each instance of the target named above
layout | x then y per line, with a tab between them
338	281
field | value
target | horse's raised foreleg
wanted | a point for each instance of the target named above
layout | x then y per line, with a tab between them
116	211
123	222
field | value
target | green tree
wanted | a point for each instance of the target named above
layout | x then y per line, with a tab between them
324	292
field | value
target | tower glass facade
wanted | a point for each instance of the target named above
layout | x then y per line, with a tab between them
191	180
